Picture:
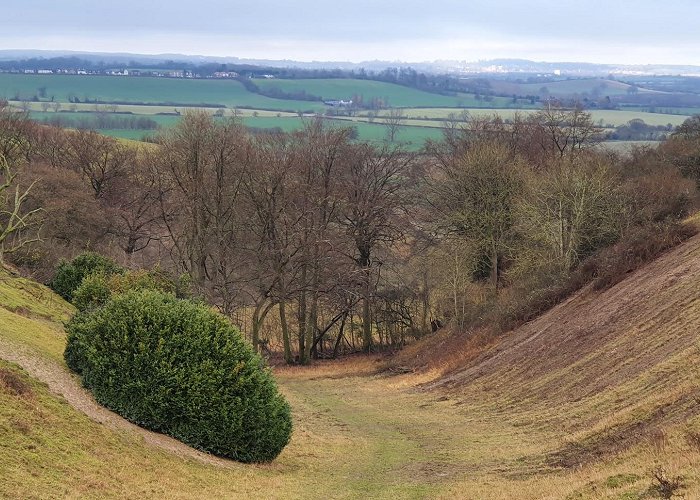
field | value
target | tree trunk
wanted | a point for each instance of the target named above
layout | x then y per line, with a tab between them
255	337
259	315
302	319
285	333
340	336
366	323
311	327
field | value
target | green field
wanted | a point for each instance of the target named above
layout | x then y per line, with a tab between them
411	136
75	118
663	109
608	116
590	86
421	123
395	95
139	109
178	91
425	112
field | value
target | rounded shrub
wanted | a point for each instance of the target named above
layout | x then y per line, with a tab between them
179	368
96	289
70	274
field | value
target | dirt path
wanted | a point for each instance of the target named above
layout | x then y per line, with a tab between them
63	383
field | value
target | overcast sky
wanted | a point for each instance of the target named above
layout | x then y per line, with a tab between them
604	31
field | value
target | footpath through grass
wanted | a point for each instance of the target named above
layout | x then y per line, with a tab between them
357	434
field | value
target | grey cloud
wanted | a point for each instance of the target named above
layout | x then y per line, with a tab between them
563	22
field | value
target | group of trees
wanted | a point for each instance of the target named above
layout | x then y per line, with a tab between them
101	121
292	222
314	243
638	130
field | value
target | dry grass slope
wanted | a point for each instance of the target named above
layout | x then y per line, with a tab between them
583	402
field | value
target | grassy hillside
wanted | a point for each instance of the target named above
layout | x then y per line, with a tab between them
616	373
583	402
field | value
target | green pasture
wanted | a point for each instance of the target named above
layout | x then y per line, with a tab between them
590	86
421	123
140	109
608	117
395	95
425	112
663	110
413	137
175	91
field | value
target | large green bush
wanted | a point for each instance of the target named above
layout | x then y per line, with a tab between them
177	367
70	274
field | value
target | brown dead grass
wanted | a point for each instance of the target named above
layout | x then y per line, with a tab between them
606	368
348	366
440	353
13	383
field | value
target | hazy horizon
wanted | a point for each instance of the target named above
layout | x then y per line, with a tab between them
623	32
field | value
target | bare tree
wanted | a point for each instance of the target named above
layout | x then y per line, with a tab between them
202	162
374	197
393	121
271	242
18	227
17	133
476	198
100	159
566	130
134	205
576	207
322	153
53	146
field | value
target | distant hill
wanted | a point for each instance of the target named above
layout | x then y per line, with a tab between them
497	66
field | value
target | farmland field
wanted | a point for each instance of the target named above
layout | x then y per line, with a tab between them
394	95
663	109
412	136
141	109
178	91
589	86
609	117
147	97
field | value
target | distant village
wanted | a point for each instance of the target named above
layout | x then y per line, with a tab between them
159	73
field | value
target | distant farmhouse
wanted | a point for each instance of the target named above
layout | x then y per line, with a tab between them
225	74
338	103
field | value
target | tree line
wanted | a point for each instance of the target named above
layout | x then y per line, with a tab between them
317	244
